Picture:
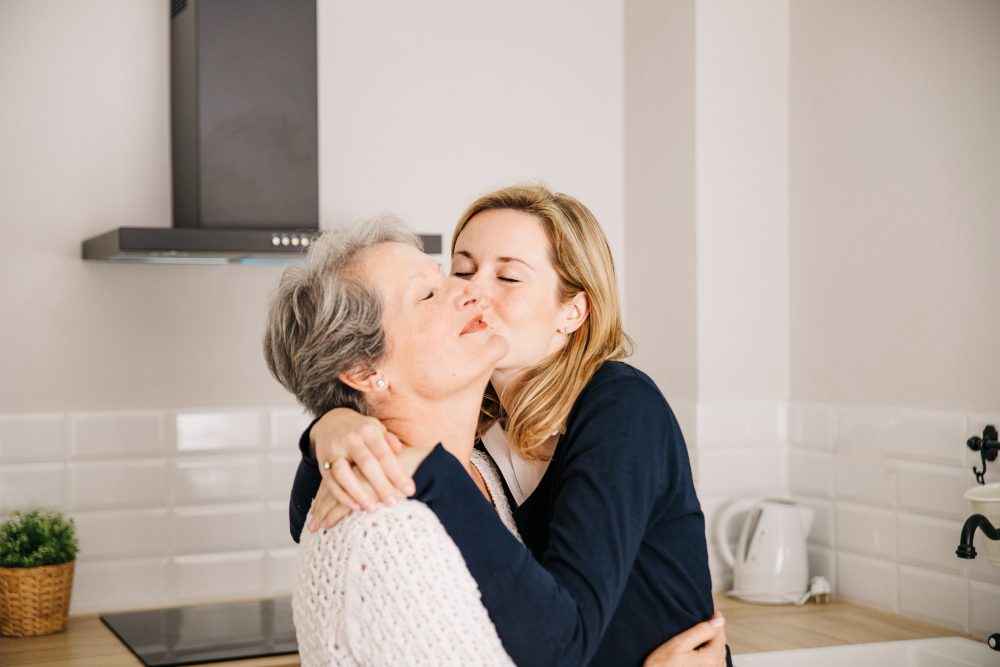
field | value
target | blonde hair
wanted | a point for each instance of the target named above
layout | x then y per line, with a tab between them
323	320
541	397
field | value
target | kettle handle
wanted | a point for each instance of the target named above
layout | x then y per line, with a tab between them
722	528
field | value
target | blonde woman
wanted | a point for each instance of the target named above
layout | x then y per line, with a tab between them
616	562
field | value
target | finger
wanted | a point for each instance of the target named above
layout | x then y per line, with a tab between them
345	476
335	515
342	498
321	505
394	469
695	636
377	461
713	654
394	442
371	470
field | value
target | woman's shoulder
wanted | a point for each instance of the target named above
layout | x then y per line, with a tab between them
621	402
623	383
358	528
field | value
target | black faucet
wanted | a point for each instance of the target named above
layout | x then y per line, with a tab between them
965	548
987	446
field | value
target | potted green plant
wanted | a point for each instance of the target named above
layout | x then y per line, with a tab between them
37	554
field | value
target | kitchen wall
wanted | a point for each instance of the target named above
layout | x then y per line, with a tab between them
706	202
841	344
895	226
136	397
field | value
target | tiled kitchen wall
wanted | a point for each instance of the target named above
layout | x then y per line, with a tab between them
171	507
175	507
886	485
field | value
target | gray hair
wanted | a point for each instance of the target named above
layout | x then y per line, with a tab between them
323	321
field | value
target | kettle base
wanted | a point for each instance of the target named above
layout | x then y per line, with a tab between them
768	598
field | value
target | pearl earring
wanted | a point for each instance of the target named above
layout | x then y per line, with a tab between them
381	383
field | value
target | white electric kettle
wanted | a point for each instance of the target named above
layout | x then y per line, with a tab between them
770	565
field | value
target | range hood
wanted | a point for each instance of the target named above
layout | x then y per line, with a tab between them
243	96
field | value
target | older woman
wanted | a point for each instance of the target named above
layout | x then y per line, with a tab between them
373	323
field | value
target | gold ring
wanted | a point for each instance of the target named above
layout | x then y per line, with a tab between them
329	464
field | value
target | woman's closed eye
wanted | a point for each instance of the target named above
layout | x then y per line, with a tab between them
466	276
428	296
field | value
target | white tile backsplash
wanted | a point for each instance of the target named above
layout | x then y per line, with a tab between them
931	489
120	584
114	484
219	528
176	506
280	472
219	576
866	530
26	486
810	473
930	542
935	437
862	474
750	424
117	434
213	431
32	437
938	598
743	470
810	425
287	425
280	564
823	562
984	608
122	533
867	580
216	480
278	530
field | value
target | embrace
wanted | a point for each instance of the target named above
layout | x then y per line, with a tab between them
486	482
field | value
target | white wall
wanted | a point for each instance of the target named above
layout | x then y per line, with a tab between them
422	107
660	214
895	126
742	199
894	232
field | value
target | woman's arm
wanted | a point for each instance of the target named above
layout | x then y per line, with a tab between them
625	459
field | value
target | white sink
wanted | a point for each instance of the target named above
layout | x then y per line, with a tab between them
939	652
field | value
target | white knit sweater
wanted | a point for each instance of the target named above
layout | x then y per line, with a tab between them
390	588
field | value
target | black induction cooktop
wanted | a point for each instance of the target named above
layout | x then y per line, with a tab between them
207	633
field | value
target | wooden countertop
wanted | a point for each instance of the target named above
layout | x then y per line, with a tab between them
753	628
749	629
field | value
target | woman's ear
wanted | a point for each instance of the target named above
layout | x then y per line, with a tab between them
364	380
575	313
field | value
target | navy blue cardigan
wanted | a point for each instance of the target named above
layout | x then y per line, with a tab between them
616	562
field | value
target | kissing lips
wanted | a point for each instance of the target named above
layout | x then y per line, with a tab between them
475	324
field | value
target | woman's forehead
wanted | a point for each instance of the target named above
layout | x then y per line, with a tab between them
504	233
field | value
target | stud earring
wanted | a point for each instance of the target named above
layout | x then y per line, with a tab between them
381	383
567	329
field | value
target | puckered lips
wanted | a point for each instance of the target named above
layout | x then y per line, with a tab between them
477	323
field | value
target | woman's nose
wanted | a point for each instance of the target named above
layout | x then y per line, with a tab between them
470	294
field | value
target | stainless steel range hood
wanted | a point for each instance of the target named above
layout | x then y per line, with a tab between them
243	137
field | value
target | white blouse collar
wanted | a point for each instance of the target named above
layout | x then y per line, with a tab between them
522	476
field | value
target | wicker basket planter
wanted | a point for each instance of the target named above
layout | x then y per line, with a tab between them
35	600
